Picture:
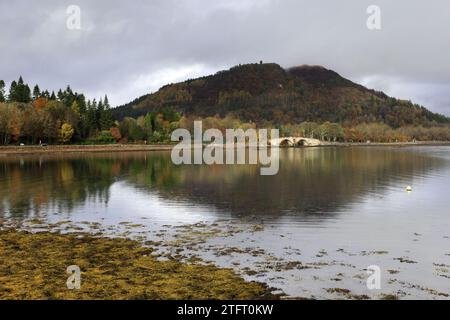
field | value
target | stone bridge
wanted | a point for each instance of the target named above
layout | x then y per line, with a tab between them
294	142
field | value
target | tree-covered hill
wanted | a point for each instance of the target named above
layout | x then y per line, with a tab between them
263	93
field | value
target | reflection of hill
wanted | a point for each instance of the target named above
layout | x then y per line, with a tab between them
310	181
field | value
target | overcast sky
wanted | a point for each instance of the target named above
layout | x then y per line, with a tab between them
129	48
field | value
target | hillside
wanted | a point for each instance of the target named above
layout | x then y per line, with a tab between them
268	93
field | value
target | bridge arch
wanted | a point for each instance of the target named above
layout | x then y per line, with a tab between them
294	142
301	143
286	143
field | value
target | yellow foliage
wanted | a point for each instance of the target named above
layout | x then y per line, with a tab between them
66	133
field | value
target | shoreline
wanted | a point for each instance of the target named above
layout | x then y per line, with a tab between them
60	149
385	144
18	150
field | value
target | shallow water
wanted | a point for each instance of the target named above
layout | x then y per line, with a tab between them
317	225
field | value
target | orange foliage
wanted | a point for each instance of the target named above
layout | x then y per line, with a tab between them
40	103
115	132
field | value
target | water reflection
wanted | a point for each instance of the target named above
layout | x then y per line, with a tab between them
337	210
310	181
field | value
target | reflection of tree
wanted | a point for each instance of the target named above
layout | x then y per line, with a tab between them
310	180
30	184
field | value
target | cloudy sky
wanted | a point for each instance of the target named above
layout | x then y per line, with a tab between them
129	48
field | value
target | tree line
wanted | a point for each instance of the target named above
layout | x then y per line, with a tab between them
364	132
38	116
156	127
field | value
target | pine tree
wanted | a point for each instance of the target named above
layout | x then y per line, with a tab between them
36	92
100	110
13	91
2	91
81	101
20	92
106	120
69	97
106	101
25	94
91	117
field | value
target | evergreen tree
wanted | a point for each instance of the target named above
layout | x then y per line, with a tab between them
36	92
68	97
106	101
13	91
100	110
81	101
20	91
106	120
25	94
53	96
2	91
91	117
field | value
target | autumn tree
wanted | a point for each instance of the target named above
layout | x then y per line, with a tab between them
10	122
335	132
115	132
65	133
309	129
40	102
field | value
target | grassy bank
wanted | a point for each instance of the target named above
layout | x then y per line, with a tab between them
81	148
33	266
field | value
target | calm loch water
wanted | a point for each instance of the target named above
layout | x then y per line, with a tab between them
313	228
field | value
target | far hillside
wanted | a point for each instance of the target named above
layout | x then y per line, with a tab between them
268	94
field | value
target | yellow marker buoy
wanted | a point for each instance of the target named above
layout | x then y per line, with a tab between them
408	188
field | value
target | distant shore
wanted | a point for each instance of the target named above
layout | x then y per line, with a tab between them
34	149
12	150
384	144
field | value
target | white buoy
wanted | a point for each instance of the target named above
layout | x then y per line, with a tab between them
408	188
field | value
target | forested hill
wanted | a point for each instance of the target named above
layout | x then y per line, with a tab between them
264	93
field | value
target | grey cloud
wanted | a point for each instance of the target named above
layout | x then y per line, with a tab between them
125	48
